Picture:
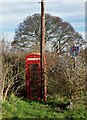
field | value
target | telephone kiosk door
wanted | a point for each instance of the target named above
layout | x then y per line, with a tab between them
34	84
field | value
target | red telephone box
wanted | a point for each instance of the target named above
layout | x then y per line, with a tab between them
34	83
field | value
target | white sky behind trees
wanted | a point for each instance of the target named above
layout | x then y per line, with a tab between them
40	0
13	12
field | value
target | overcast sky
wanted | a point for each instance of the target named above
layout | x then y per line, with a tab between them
13	12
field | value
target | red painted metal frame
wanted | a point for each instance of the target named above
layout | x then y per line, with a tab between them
34	58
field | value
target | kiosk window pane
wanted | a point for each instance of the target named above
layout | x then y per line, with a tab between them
34	71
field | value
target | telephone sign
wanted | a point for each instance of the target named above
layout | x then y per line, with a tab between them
34	83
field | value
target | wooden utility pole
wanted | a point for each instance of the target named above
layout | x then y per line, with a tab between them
42	26
42	51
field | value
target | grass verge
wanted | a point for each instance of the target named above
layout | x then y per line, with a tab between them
15	107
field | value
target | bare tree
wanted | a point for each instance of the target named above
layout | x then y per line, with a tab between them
57	33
